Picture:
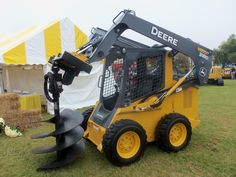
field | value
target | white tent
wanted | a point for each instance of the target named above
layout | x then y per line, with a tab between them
24	57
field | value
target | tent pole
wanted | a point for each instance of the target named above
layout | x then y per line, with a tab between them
1	78
8	80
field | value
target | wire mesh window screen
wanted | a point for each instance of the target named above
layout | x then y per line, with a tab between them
145	75
112	79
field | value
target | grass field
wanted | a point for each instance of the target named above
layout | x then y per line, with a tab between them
212	151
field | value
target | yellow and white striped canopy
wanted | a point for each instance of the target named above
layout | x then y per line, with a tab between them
35	45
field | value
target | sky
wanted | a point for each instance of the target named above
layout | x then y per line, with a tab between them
208	22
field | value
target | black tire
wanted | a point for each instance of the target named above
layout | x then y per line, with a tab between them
163	132
114	132
220	82
86	115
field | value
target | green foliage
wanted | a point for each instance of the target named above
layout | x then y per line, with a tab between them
181	61
181	65
226	52
232	57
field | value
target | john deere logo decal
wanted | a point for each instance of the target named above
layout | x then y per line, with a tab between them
202	72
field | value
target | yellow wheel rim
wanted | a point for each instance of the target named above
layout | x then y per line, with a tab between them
178	134
128	144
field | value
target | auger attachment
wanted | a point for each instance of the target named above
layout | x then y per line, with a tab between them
68	132
69	139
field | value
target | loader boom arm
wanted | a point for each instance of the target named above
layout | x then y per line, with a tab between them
201	56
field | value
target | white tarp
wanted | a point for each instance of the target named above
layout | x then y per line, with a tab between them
25	78
82	92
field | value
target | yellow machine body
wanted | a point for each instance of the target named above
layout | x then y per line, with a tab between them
183	101
217	72
143	98
227	72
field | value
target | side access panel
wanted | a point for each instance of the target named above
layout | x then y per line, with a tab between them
186	103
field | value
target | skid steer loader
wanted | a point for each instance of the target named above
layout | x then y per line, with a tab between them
215	76
140	101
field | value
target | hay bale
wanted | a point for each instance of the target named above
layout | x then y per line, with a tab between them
9	101
22	119
31	118
9	96
15	118
15	105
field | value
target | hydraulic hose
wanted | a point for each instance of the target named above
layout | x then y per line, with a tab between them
49	78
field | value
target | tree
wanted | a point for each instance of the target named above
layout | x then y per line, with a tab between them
226	52
232	57
182	61
181	65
